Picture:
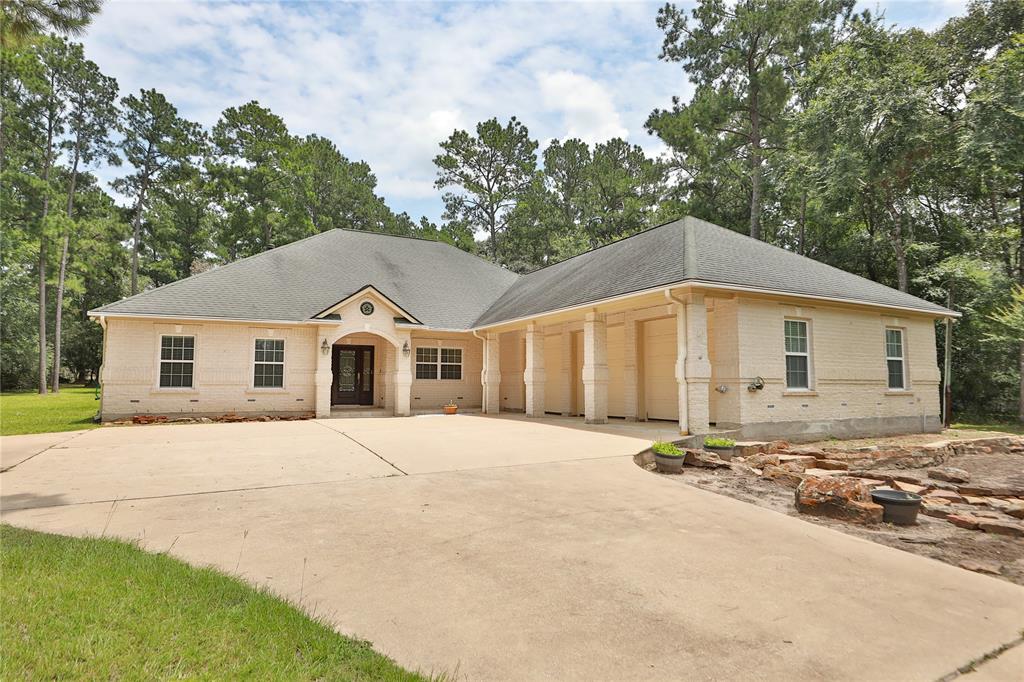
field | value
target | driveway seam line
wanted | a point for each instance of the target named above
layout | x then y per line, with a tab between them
974	664
378	456
46	449
340	481
194	494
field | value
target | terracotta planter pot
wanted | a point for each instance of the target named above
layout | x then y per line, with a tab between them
669	465
451	409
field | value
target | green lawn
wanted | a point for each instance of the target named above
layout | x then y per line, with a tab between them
985	424
28	412
101	609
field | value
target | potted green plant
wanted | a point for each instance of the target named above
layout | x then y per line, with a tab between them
668	458
451	408
723	447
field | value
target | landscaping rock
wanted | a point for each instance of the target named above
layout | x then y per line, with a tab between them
1002	527
831	464
903	478
842	498
824	472
981	566
740	468
970	499
790	479
762	460
948	495
909	487
700	458
967	521
938	511
976	490
951	474
808	452
796	462
1016	510
748	449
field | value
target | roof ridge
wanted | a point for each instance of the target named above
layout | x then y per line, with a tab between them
217	268
427	239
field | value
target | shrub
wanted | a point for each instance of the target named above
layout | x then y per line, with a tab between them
719	442
667	449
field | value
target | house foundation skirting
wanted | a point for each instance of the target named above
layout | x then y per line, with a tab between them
863	427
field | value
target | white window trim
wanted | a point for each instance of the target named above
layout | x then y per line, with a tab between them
808	354
252	365
902	358
437	365
194	388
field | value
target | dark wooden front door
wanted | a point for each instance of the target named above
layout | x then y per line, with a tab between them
353	375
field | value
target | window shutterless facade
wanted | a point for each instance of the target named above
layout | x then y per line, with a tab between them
439	363
426	363
177	361
268	364
894	359
798	355
451	363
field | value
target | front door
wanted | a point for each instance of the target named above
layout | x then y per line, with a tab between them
353	375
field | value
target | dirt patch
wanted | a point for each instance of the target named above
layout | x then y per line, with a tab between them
999	468
909	439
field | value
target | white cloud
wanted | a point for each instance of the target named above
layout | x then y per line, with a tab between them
587	108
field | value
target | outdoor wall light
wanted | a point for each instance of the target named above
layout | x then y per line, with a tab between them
324	348
756	384
405	349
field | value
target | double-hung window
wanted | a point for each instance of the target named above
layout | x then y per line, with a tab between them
426	363
439	363
798	356
268	366
894	359
451	363
177	361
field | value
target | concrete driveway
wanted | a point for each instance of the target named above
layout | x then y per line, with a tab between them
513	549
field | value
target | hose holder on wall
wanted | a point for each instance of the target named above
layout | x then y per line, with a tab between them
756	384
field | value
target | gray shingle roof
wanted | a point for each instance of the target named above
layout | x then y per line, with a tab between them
446	288
442	286
686	250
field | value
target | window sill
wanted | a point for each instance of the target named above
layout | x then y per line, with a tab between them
899	392
179	391
799	393
257	391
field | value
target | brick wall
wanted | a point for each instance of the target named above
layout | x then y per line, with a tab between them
432	394
223	371
848	368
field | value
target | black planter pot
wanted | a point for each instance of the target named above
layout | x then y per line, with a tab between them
668	465
724	453
898	507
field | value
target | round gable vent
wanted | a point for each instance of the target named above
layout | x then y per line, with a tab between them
366	308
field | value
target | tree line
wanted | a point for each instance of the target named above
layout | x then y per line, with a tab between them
897	154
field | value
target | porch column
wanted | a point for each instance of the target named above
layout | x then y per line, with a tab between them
693	370
565	372
324	375
403	376
698	366
534	375
630	376
492	374
595	369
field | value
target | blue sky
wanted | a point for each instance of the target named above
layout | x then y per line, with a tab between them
387	81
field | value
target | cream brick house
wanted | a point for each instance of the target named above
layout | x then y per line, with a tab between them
687	322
